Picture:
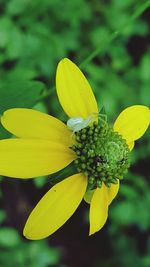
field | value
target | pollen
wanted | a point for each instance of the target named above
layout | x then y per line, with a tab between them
102	154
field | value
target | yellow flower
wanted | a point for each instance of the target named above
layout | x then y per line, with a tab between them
46	145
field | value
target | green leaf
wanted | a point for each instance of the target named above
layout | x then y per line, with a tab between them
20	94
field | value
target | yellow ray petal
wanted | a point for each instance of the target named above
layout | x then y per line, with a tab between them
98	209
88	196
28	123
74	92
56	207
133	122
131	145
24	158
112	192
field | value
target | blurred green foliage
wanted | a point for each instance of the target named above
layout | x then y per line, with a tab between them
15	252
34	36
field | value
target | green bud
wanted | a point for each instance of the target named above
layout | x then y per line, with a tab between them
76	161
99	183
91	180
83	137
83	166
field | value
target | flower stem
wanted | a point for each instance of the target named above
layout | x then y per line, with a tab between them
104	44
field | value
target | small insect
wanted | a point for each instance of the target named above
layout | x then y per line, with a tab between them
78	123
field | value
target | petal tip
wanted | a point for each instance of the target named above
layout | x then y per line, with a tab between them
64	60
132	122
91	233
28	235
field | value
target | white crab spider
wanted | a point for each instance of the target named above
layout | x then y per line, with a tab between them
78	123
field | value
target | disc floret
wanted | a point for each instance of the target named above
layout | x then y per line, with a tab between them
102	154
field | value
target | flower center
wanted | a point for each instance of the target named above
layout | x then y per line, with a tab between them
102	154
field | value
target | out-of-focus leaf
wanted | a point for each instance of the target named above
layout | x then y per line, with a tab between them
129	192
9	237
41	255
22	94
124	213
3	133
40	106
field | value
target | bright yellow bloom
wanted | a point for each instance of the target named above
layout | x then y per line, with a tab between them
43	147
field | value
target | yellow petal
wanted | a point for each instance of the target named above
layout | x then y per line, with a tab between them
56	207
131	145
74	92
112	192
98	209
24	158
28	123
133	122
88	196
